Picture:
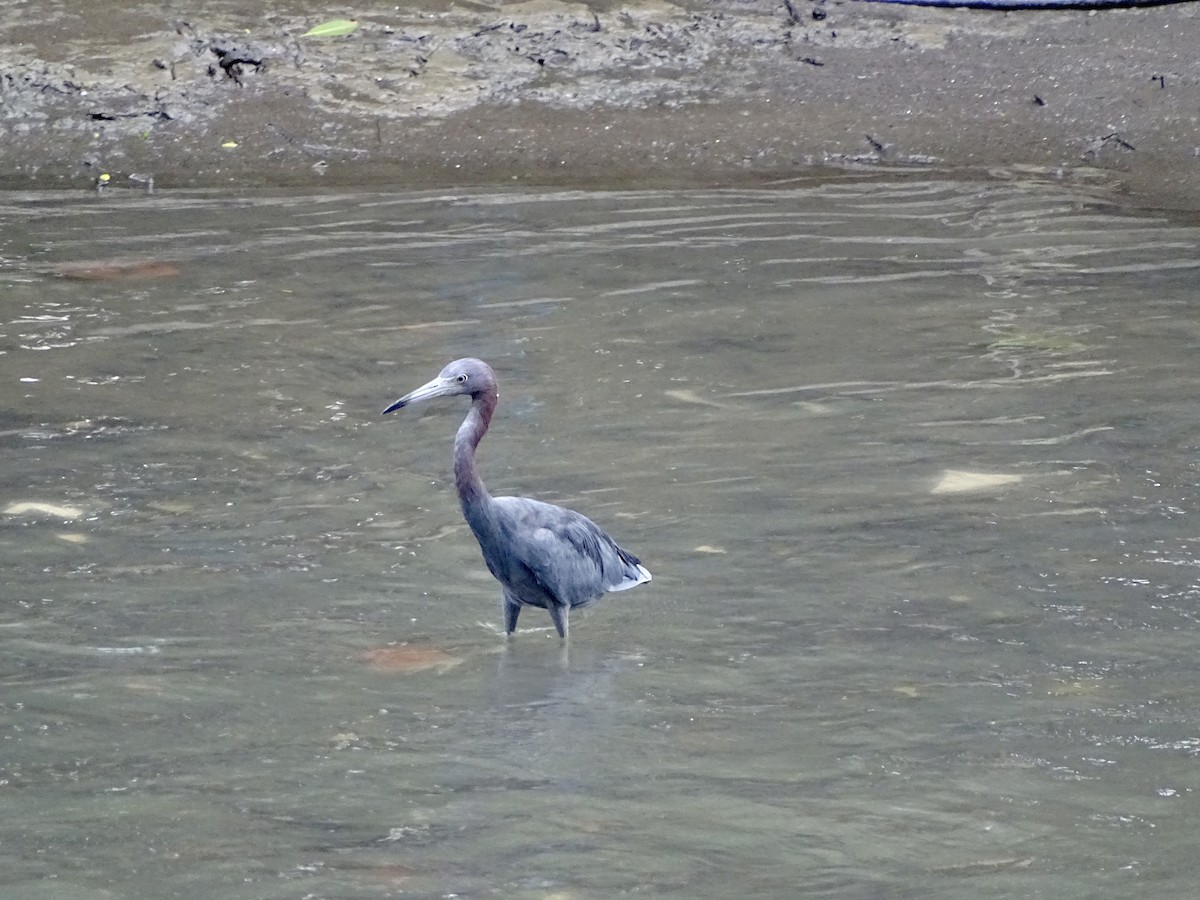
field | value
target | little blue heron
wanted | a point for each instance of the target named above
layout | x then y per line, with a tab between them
542	555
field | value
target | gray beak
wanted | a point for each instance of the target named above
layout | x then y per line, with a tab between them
439	387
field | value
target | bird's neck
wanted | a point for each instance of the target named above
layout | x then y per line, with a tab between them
471	489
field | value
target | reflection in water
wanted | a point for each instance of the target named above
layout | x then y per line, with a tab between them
912	463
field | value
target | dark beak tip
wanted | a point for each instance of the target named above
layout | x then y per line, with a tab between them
399	404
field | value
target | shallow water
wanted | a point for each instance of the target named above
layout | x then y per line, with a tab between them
913	463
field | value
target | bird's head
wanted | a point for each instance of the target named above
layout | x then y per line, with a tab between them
469	376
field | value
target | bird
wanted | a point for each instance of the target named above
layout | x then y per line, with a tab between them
543	555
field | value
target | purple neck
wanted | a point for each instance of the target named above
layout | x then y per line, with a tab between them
471	490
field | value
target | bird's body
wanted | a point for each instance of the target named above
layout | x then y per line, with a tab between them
543	555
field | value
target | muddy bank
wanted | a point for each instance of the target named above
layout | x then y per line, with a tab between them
648	93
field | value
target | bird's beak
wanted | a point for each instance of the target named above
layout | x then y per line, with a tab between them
439	387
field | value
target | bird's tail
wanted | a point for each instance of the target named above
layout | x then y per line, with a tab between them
635	572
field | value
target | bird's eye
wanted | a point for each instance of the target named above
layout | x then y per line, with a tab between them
461	379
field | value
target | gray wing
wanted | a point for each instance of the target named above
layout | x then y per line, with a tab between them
567	555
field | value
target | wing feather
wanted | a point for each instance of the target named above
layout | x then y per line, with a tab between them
570	557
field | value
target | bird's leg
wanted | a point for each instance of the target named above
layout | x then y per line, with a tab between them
512	609
560	616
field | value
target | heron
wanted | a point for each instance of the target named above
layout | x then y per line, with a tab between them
542	555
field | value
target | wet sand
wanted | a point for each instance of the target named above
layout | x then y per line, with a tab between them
600	95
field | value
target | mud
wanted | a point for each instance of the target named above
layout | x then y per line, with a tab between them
606	94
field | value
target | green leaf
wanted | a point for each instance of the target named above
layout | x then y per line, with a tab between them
332	28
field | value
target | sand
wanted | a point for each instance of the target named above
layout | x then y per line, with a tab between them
647	94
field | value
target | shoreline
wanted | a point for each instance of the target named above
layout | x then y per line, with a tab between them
552	93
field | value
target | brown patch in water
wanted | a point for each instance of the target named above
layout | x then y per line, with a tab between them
404	659
139	270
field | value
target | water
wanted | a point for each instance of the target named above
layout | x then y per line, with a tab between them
913	463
